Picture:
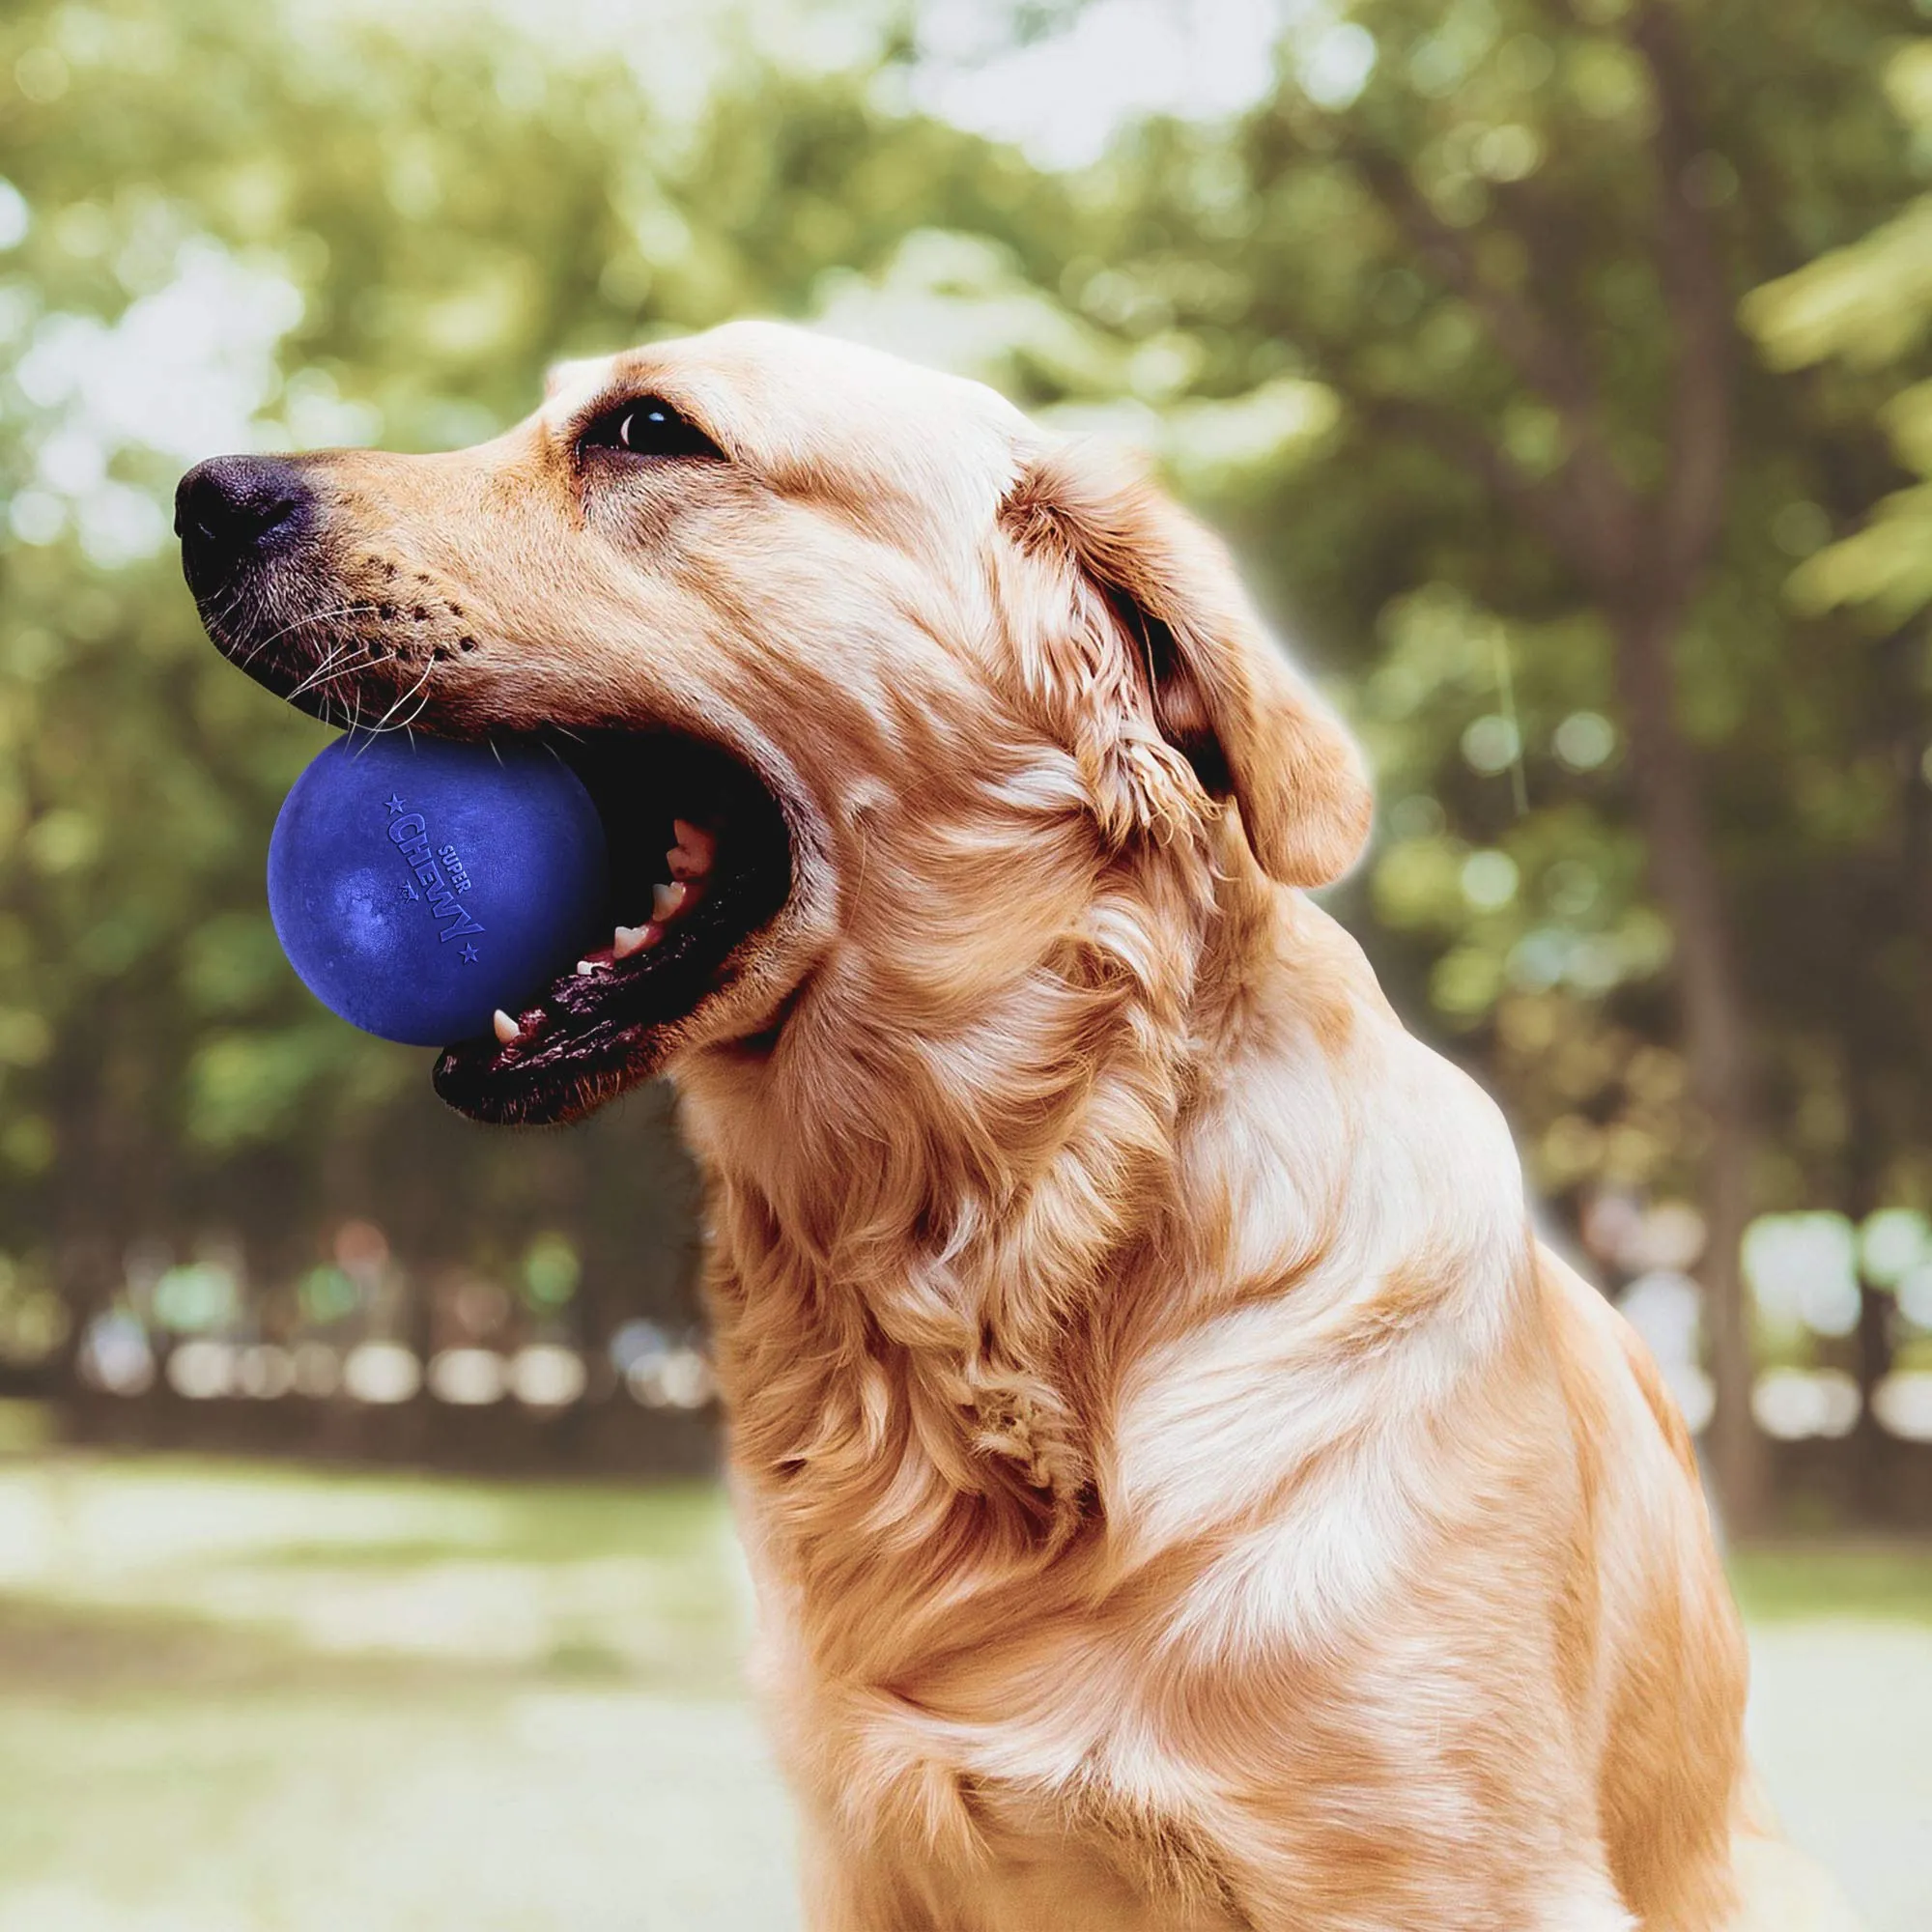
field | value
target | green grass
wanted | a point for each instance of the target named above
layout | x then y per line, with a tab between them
265	1698
273	1699
1779	1582
26	1428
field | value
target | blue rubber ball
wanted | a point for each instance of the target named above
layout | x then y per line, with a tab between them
418	887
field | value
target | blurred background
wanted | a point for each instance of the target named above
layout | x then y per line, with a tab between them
1559	370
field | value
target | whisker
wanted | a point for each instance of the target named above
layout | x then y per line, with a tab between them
320	672
307	618
318	682
300	623
422	679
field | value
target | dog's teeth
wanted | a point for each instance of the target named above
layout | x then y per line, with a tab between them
585	969
629	939
692	856
666	899
506	1029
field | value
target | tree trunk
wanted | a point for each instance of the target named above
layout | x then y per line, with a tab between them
1871	1446
1716	1035
1876	903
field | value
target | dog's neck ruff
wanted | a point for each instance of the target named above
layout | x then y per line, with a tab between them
924	1212
987	1168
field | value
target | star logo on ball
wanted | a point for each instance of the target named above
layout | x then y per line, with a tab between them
395	803
469	955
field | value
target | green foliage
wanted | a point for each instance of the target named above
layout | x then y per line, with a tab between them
240	225
1865	307
550	1271
1379	327
1442	236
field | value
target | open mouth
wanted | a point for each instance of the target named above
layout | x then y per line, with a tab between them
699	851
700	861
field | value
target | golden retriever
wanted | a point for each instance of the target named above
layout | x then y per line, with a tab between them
1182	1490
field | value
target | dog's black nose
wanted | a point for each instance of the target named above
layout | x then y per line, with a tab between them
232	509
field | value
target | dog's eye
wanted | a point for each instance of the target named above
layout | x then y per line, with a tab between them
651	428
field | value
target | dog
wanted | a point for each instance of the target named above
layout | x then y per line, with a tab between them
1182	1490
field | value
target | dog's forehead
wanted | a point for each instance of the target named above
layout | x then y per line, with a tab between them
569	386
790	394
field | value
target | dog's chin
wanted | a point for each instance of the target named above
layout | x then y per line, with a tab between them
652	985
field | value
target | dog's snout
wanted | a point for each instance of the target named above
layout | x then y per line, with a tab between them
232	509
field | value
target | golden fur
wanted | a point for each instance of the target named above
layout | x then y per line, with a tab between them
1181	1490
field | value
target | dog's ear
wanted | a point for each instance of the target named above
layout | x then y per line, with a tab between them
1134	630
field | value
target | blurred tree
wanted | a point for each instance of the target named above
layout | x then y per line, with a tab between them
1547	213
249	224
1504	241
1440	329
1867	304
1854	321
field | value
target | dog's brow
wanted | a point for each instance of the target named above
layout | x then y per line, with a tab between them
569	386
